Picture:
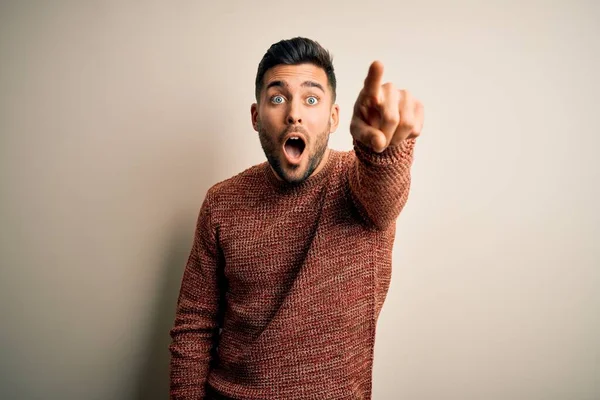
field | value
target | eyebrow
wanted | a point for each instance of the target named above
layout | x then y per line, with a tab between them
304	84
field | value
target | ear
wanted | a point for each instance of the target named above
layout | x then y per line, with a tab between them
334	118
254	115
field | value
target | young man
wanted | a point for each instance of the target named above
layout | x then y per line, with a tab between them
291	260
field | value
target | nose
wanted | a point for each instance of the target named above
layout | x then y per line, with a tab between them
293	115
293	120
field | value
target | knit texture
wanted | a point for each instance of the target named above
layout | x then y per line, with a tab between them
284	284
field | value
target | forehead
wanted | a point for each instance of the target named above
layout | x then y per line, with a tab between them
295	75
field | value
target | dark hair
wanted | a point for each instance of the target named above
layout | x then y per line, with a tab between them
295	51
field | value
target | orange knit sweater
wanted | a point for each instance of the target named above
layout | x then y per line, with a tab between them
284	284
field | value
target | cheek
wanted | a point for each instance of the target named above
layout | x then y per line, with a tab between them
317	121
270	119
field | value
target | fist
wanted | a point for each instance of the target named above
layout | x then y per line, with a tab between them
383	115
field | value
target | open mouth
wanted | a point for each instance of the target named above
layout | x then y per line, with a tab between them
294	147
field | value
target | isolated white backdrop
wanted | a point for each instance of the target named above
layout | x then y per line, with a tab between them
117	116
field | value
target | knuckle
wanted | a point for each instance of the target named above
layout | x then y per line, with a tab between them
406	123
391	115
406	98
390	92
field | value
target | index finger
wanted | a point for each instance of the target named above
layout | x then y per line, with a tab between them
373	80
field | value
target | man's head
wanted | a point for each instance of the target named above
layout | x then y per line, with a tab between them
295	110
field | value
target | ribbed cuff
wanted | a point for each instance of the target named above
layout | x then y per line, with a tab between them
391	155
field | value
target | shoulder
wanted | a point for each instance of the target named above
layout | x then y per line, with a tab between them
345	157
343	161
236	185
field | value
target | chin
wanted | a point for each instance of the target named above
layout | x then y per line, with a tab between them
294	176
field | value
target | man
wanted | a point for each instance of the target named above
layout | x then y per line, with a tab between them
291	260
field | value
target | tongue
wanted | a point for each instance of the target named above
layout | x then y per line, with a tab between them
293	149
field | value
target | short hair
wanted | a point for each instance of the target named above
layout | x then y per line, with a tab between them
296	51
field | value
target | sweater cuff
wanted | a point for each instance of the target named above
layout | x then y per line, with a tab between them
391	155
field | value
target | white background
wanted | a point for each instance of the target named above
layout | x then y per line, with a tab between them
117	116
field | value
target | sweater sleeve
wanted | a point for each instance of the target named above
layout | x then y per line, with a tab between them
380	182
195	331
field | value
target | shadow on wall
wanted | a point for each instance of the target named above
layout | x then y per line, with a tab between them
153	377
154	369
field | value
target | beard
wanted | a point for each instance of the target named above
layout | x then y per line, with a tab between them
272	146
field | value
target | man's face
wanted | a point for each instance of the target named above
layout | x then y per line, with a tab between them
294	116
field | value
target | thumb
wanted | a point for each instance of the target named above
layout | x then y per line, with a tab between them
378	141
371	137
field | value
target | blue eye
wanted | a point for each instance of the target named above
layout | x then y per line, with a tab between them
312	100
277	99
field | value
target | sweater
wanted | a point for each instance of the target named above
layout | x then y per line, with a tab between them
284	283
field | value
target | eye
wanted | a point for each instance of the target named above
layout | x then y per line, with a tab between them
312	100
277	99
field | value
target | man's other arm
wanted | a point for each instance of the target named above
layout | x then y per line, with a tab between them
196	325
